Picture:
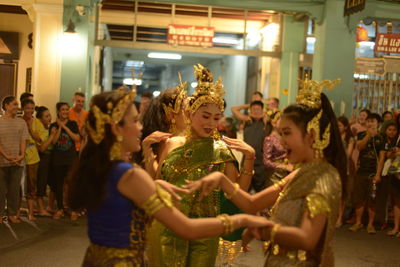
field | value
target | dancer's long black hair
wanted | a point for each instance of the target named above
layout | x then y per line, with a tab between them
334	153
89	175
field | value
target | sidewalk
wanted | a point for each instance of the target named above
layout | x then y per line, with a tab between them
15	234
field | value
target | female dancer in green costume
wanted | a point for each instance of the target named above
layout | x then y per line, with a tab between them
191	157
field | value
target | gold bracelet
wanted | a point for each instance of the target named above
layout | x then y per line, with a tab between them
148	159
280	185
234	192
227	223
246	172
274	229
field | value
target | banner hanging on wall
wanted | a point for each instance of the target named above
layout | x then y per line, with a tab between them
387	43
190	35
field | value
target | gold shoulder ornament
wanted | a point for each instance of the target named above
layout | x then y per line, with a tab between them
206	91
310	96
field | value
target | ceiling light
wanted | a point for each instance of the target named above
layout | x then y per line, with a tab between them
165	56
224	40
156	93
130	81
134	63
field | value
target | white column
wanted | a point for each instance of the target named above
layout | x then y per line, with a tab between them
47	33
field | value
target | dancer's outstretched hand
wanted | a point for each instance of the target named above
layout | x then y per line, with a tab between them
205	185
240	146
253	221
155	137
172	189
248	235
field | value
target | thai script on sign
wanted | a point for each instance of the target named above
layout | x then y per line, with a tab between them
190	35
387	43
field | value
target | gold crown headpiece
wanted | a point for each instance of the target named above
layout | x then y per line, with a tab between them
206	91
310	91
310	96
179	95
114	114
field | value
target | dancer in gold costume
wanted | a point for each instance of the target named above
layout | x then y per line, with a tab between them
163	119
304	204
199	153
120	198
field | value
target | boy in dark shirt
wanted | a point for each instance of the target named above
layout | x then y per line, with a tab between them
372	155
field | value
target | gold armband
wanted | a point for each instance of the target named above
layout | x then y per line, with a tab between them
234	192
280	185
246	172
227	223
158	200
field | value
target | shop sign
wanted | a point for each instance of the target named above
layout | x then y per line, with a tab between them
353	6
190	35
371	65
387	43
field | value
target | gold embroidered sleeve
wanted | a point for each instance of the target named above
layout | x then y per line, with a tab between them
157	201
317	204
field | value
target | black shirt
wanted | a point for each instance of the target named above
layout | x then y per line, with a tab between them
64	151
368	158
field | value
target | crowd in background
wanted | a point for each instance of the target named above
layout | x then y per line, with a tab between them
37	152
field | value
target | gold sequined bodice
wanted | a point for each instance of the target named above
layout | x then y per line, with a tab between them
193	161
316	188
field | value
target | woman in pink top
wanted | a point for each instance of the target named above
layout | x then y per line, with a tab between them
274	154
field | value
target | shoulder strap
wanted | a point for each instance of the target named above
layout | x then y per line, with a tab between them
398	139
376	153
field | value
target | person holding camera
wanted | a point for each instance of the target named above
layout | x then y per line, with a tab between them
368	176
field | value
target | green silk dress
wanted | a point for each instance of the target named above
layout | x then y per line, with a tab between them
192	161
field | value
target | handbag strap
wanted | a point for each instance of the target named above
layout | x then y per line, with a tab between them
398	139
376	153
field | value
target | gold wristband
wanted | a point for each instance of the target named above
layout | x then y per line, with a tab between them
227	223
246	172
148	159
274	230
234	192
280	185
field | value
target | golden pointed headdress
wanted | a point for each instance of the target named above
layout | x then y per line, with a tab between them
178	96
310	96
114	114
310	91
206	91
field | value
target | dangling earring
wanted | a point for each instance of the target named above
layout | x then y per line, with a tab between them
318	153
216	134
115	151
172	127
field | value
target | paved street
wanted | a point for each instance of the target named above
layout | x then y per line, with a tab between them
60	243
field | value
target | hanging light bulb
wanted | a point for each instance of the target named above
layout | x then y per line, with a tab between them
70	27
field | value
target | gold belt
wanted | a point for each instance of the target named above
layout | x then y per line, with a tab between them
275	249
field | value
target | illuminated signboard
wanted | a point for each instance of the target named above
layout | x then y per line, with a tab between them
190	35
